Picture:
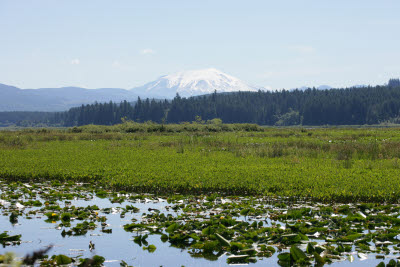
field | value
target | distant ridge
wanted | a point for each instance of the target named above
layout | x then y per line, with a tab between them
185	83
57	99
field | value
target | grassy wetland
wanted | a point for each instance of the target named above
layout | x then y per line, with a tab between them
221	194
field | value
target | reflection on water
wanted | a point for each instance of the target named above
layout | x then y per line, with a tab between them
37	232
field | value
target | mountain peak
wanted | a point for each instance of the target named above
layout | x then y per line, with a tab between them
194	82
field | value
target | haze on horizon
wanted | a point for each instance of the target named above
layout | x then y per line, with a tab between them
285	44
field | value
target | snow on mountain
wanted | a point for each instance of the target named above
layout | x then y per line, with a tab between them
193	82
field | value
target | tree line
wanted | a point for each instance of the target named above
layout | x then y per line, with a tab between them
25	118
350	106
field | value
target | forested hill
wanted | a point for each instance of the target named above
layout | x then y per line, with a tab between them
352	106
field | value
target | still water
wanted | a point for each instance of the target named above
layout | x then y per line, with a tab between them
37	233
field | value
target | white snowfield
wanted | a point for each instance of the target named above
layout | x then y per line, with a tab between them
192	83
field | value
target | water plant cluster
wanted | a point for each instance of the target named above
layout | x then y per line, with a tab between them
234	229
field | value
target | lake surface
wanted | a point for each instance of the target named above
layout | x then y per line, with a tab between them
38	232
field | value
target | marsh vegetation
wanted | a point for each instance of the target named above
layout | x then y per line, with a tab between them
216	192
76	223
341	164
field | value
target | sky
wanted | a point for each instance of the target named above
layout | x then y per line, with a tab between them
127	43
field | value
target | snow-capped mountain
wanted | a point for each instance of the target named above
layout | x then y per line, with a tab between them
192	83
186	83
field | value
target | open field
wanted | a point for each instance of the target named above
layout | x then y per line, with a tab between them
342	165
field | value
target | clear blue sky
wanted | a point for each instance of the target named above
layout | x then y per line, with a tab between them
281	44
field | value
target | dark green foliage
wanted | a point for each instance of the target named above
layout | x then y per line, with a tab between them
4	237
394	83
94	261
141	240
14	217
27	118
62	259
351	106
113	113
295	256
66	217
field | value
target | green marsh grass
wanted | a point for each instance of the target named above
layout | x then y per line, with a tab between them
335	164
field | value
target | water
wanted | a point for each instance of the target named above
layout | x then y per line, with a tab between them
37	234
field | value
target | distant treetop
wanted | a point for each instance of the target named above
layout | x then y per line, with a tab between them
394	83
